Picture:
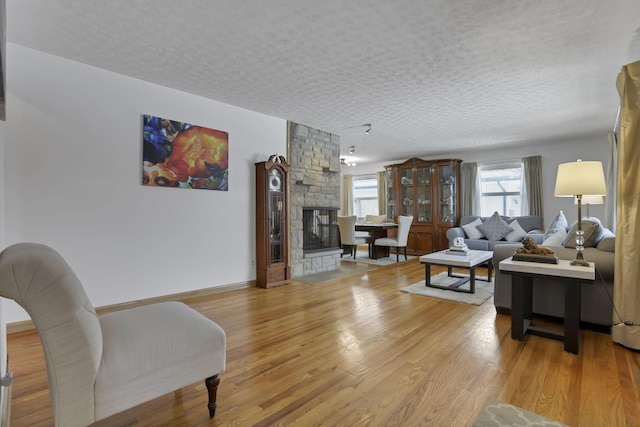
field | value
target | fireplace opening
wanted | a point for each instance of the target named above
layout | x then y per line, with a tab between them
320	229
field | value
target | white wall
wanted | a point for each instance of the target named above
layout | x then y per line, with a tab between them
553	153
73	181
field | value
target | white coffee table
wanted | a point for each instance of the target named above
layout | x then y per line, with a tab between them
471	260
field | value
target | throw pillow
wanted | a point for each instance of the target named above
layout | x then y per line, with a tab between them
592	232
495	228
472	231
517	234
557	223
555	239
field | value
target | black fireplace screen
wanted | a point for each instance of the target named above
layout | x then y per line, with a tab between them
320	229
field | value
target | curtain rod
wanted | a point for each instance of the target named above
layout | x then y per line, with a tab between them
505	162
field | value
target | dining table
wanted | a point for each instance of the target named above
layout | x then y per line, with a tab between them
376	231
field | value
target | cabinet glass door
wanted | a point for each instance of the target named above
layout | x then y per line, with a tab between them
424	206
406	192
391	196
447	193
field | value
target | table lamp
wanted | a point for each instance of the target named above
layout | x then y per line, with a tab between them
578	179
590	200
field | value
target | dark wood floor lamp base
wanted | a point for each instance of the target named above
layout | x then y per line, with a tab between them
212	386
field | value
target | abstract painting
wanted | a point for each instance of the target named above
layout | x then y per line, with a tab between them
178	154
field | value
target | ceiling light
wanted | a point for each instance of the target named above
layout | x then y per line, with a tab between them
352	149
344	162
367	126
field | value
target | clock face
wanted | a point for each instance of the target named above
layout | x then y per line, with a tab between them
275	180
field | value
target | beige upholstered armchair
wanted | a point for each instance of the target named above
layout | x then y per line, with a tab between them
98	366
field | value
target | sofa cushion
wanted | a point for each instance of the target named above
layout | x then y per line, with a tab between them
517	234
608	244
472	231
479	244
555	239
593	232
495	228
529	222
468	219
557	223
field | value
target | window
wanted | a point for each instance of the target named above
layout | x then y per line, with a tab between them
365	195
500	188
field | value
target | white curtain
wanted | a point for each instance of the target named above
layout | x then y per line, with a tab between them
626	287
382	192
346	204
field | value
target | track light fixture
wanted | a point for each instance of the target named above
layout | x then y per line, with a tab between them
344	162
352	149
367	126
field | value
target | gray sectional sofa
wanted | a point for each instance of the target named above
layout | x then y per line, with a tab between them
548	296
531	224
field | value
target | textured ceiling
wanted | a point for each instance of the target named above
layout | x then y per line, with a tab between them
432	76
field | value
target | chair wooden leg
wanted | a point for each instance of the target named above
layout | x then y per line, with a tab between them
397	254
212	387
405	253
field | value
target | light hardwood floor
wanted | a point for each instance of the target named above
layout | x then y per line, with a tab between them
358	352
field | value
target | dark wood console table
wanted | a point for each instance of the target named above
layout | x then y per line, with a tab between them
522	275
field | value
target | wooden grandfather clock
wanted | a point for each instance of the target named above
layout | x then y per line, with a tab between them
272	225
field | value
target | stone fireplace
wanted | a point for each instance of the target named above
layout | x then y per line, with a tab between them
314	177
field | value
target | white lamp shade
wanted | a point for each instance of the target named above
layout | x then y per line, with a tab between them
580	178
590	200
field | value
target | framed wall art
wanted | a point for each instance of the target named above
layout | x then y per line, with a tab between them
179	154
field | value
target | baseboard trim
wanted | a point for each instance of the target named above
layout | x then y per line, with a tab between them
26	325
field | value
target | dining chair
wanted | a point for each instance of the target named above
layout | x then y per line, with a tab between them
98	366
404	225
348	239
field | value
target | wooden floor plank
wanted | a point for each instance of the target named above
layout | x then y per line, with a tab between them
357	351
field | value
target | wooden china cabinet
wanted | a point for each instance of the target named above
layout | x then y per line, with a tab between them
429	191
272	225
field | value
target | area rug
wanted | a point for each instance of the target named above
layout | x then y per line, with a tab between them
501	414
345	270
484	290
382	262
